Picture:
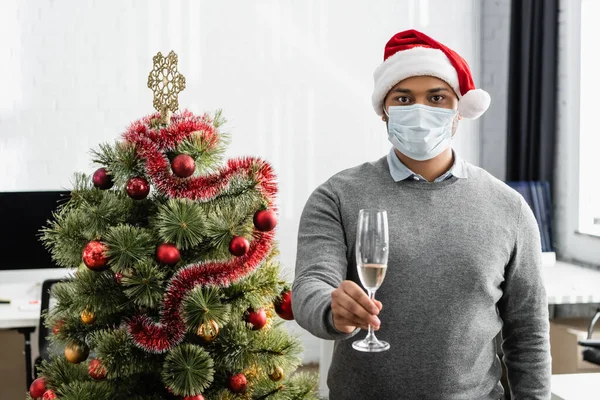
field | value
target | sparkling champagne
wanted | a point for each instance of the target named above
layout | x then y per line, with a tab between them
372	248
372	275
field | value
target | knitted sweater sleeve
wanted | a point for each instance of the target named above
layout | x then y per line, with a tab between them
524	311
321	263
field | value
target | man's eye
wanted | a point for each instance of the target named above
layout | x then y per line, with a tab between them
437	99
403	99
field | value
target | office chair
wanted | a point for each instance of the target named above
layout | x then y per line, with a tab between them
44	332
591	353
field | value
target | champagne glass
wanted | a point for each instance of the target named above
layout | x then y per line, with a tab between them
372	247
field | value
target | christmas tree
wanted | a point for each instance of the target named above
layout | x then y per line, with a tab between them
177	291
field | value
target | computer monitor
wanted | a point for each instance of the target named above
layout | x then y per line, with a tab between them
22	215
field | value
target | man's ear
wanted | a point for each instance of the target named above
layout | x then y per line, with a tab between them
384	118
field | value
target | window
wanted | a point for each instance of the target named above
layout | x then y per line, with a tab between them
589	137
577	183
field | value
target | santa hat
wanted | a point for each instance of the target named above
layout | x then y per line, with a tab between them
412	53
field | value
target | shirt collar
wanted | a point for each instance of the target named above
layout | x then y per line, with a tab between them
400	172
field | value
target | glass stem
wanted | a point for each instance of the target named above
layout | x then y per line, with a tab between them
371	335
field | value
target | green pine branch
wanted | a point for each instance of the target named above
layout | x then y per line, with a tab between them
188	370
87	291
145	285
85	217
237	188
102	208
298	386
128	246
78	390
120	160
119	355
99	292
117	204
218	119
204	304
65	239
60	372
222	223
71	330
277	348
206	229
207	152
64	293
206	157
181	222
239	348
256	289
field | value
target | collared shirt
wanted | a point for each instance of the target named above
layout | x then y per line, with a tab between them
401	172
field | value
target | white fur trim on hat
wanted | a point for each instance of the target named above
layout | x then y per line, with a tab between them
417	61
474	103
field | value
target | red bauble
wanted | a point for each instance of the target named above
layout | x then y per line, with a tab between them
239	246
56	327
37	388
168	253
94	256
49	395
183	166
118	277
196	397
138	188
265	220
102	180
96	370
257	318
283	305
237	383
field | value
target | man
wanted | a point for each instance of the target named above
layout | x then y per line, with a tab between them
464	261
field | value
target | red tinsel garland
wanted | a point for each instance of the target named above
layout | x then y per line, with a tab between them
151	144
170	330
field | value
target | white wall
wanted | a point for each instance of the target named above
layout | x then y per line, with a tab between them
495	34
294	79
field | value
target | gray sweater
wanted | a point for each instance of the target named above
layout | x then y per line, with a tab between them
464	265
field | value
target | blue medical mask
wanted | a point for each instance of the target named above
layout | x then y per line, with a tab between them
420	132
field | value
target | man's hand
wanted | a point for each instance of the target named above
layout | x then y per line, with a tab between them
352	308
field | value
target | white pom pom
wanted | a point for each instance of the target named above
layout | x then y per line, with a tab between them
474	103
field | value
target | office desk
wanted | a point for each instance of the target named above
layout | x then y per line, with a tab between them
24	289
576	387
571	284
24	310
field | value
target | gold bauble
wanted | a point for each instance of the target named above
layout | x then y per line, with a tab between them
76	352
88	317
277	374
208	331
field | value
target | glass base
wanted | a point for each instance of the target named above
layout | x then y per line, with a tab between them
370	346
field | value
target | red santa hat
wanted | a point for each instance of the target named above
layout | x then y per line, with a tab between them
412	53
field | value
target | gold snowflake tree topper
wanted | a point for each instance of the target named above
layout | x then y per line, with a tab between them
166	82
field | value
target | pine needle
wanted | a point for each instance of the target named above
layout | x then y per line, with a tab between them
128	246
188	370
202	305
145	285
180	221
